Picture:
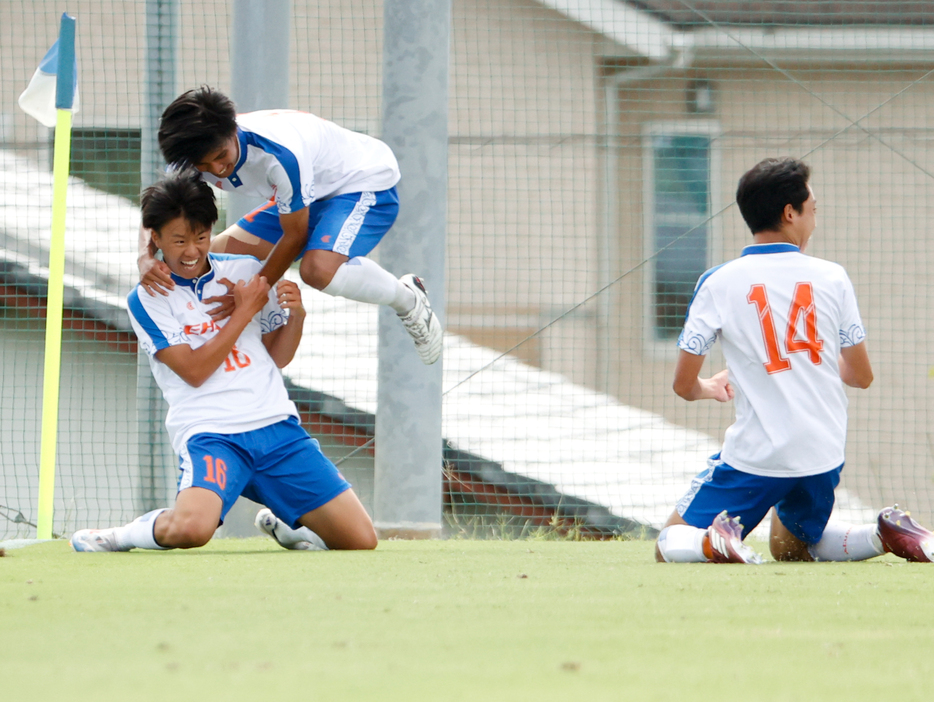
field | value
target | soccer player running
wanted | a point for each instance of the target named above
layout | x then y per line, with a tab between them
333	199
230	419
791	332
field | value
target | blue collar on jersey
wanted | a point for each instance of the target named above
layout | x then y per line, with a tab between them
770	248
233	178
197	284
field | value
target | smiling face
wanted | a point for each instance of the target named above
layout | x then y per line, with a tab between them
220	162
184	247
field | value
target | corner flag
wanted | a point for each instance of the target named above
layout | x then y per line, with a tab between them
39	98
50	98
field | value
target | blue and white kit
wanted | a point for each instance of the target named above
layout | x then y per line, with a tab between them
238	433
246	392
298	158
782	318
351	224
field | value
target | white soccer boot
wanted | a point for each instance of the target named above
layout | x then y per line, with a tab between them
96	540
421	322
726	541
301	539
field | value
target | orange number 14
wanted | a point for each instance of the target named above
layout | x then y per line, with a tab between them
801	304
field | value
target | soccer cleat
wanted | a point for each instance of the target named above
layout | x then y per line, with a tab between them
903	536
421	322
96	540
268	523
725	536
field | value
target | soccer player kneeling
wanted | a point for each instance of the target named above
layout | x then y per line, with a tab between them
792	335
230	419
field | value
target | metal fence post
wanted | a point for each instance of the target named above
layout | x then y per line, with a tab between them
408	481
160	85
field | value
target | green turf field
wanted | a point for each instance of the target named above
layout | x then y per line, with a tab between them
457	620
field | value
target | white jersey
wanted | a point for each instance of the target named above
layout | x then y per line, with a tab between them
246	392
782	317
299	158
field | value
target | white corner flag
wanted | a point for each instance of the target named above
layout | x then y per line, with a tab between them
38	99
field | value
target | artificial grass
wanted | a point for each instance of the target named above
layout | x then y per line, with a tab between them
457	620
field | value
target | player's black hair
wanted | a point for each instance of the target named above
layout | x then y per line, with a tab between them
767	187
180	194
197	122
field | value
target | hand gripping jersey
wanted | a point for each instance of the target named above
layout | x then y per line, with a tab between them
782	317
246	392
299	158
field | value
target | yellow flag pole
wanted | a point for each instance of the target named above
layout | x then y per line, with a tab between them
55	300
53	326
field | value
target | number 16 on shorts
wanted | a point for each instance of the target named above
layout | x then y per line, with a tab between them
215	471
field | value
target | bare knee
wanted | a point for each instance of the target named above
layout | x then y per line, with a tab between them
315	274
362	538
781	552
186	532
784	545
318	267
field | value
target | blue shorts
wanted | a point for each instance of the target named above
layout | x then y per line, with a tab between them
351	224
803	504
279	466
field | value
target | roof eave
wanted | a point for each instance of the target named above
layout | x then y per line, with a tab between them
636	33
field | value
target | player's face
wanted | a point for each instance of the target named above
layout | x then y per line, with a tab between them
808	219
221	161
184	249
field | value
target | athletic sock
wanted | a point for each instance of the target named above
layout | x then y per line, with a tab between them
681	543
288	536
846	542
138	533
366	281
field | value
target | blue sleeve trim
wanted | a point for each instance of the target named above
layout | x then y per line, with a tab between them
230	257
701	281
852	336
145	321
288	161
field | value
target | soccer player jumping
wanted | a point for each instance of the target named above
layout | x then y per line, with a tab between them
791	332
333	198
230	418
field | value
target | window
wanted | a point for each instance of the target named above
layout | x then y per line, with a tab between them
679	188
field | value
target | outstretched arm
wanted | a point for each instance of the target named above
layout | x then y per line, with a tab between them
195	366
294	237
283	342
689	386
154	275
855	369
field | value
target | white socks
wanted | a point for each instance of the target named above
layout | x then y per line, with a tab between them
840	542
138	533
845	542
288	537
365	281
681	543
